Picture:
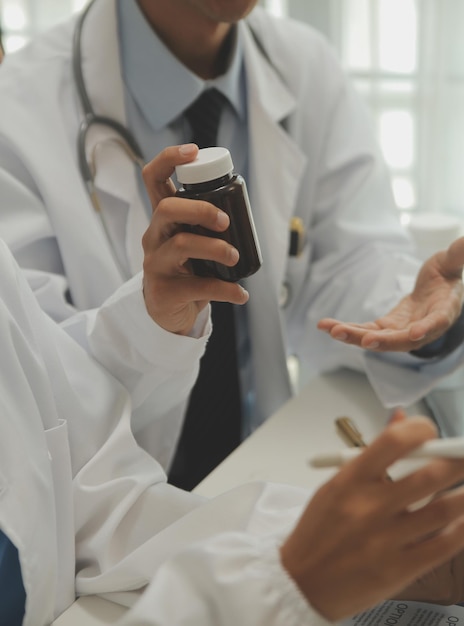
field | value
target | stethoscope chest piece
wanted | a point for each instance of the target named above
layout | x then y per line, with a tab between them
284	294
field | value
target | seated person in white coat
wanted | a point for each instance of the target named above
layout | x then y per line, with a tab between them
302	139
84	510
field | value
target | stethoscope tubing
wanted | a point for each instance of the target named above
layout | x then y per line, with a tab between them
90	117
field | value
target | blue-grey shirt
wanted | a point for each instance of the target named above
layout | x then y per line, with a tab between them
158	89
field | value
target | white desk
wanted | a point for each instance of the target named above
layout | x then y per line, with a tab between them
277	451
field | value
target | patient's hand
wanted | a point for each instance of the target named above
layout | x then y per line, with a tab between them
420	317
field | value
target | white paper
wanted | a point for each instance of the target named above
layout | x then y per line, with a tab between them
399	613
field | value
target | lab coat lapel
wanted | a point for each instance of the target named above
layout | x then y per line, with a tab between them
101	58
275	171
275	174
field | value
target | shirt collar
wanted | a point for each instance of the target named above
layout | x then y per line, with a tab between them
148	66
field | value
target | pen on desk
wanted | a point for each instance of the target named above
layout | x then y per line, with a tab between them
350	434
451	448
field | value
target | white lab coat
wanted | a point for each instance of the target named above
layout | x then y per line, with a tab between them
78	494
324	168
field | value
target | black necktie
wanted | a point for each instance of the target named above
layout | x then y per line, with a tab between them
203	117
212	426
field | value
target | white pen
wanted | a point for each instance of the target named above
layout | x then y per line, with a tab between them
451	448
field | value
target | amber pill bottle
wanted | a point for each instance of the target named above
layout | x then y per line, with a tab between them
211	177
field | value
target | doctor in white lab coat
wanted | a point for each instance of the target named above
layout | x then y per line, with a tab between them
310	155
78	497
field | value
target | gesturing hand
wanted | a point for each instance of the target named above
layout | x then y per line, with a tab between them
419	318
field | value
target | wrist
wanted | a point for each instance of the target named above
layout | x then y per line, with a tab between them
299	570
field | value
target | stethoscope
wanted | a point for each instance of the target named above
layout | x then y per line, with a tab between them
126	141
121	135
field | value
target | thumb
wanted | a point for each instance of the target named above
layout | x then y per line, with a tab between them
397	415
453	260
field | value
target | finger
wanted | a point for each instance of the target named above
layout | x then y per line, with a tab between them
452	260
157	173
191	288
181	211
172	214
436	323
398	415
327	324
183	246
413	337
369	336
392	444
389	339
434	477
428	329
432	517
216	290
419	558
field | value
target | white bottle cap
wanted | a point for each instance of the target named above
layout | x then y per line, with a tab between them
210	163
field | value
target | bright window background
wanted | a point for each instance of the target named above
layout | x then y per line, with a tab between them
406	58
378	42
21	19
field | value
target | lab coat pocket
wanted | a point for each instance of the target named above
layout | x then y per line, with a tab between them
60	459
